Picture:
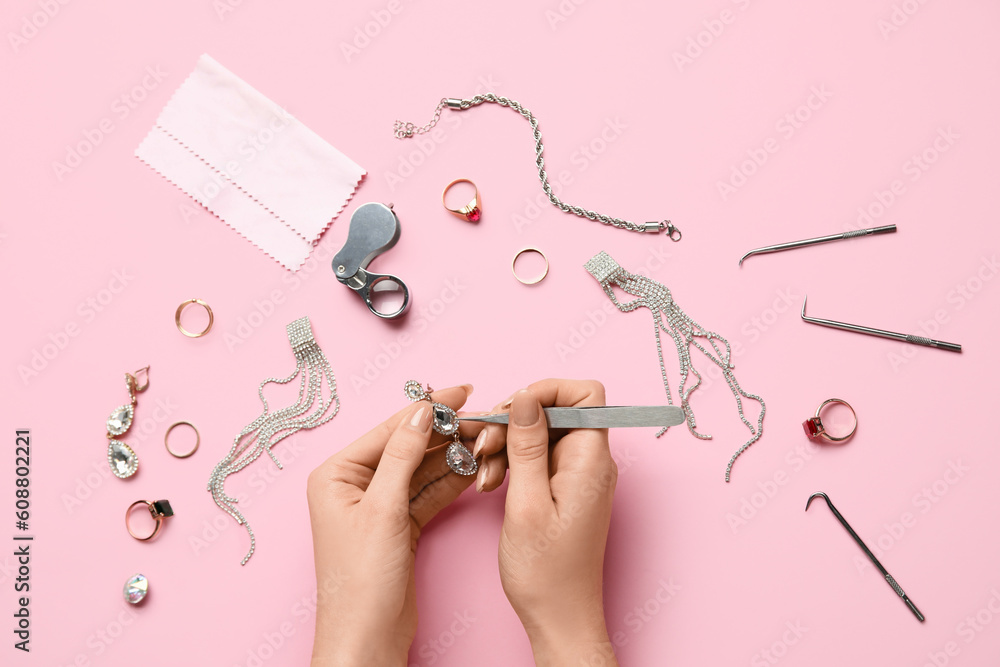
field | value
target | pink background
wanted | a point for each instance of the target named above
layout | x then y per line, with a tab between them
641	135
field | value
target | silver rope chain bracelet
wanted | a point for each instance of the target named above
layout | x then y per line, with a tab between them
406	130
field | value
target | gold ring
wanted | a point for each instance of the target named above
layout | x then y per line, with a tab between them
513	266
166	440
815	428
158	509
472	211
180	309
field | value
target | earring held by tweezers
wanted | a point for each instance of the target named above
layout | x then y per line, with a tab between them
122	460
444	421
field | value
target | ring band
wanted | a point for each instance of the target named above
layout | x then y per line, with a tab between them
533	281
197	441
472	211
158	509
180	309
814	427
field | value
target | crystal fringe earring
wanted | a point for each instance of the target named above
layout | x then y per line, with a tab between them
669	318
121	458
270	428
445	421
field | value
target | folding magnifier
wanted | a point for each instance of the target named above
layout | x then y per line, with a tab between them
374	229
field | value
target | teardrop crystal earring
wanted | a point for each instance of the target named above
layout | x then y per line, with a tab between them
445	421
121	458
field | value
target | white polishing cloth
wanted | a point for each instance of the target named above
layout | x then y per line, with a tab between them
249	162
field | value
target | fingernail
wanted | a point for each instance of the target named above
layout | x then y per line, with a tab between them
419	421
468	389
480	443
505	404
481	477
524	408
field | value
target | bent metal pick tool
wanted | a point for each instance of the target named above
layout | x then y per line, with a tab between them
857	328
601	416
778	247
888	577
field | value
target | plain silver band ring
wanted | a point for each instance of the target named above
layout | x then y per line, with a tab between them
853	414
513	266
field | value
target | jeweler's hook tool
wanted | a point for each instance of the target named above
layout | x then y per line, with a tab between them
871	556
885	229
906	338
601	416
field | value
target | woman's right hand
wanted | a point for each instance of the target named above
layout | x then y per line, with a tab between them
556	520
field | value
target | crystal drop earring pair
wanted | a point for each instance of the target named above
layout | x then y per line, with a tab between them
445	421
121	458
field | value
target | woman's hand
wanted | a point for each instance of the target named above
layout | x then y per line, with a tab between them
556	521
368	504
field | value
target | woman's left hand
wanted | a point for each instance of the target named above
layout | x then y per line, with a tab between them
368	504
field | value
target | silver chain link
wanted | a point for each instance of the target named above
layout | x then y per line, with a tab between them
405	130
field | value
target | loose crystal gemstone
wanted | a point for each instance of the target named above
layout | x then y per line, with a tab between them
122	459
445	419
460	459
120	419
813	427
136	588
473	215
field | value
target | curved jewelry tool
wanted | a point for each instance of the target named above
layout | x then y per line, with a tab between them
886	229
888	577
882	333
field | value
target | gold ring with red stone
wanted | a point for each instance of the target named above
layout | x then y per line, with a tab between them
472	211
815	428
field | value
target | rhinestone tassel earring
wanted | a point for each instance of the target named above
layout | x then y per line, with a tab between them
121	458
445	421
315	406
685	332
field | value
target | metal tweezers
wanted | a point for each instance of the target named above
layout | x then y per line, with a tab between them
603	416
